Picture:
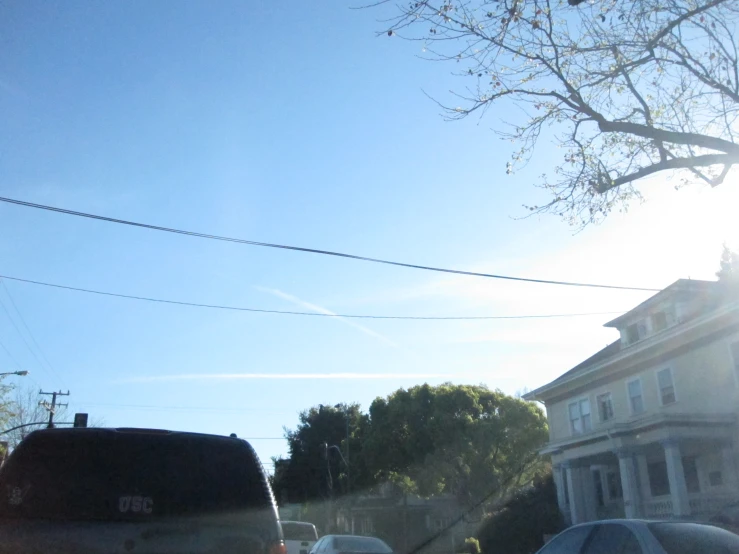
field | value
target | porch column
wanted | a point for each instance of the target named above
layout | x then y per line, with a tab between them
559	484
676	477
575	478
645	489
629	484
590	497
728	466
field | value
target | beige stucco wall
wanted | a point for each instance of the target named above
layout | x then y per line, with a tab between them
704	379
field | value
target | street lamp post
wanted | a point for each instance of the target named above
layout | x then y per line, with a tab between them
22	373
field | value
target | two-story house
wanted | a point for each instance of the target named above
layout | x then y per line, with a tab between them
647	427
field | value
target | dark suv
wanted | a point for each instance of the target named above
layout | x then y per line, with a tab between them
137	491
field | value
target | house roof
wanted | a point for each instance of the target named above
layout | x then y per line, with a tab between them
603	354
710	291
683	287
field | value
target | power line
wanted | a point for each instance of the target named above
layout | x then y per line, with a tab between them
283	312
23	338
28	329
17	365
313	250
175	408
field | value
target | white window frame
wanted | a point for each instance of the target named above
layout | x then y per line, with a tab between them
628	396
597	404
578	402
659	389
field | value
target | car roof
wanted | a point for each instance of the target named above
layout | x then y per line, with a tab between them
98	431
308	523
640	522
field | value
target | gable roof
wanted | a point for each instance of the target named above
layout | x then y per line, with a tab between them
603	354
681	287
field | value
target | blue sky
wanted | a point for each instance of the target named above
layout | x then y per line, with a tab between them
280	123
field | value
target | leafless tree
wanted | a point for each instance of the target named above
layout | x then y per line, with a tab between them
626	89
25	408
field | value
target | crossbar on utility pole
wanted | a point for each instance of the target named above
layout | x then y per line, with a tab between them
53	406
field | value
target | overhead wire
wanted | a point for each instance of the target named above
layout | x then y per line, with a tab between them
18	365
28	329
176	408
314	250
286	312
23	338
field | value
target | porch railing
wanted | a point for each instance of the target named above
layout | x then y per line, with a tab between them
708	505
659	507
701	504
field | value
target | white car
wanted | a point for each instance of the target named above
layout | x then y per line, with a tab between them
350	544
299	536
631	536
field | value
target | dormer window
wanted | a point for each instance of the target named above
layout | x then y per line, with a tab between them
659	321
636	331
632	333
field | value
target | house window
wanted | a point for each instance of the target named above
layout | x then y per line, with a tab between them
598	483
690	469
641	329
613	480
580	417
715	478
632	333
666	386
605	406
636	399
659	321
659	484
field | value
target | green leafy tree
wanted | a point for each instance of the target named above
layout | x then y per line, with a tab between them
626	89
465	440
519	527
313	472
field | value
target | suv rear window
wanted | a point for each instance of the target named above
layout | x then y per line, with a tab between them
129	476
690	538
299	531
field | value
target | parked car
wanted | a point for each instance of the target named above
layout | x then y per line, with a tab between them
300	536
344	544
630	536
135	490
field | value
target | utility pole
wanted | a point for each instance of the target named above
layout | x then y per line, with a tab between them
53	406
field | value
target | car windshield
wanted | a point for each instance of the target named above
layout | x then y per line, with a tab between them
293	531
689	538
122	476
360	544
